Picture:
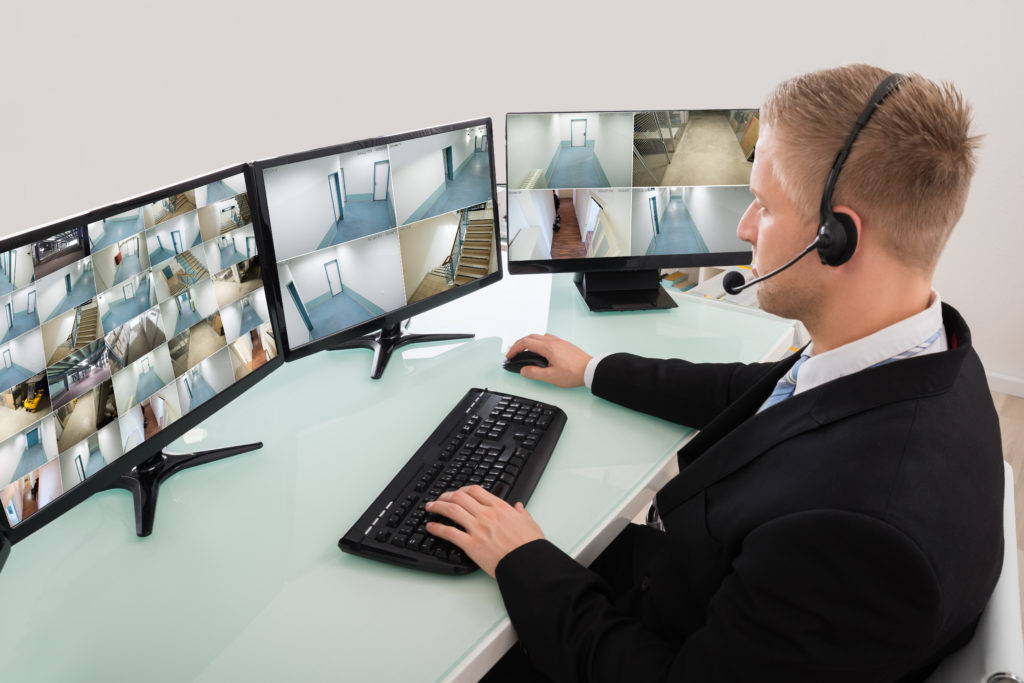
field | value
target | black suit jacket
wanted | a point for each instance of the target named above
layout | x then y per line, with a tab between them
850	533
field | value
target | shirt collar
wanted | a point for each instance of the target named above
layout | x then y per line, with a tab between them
868	351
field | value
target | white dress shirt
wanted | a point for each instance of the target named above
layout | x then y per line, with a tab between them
860	354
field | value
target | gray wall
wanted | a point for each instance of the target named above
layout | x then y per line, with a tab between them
102	97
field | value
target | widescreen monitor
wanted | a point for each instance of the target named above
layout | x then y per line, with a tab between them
120	329
366	234
614	196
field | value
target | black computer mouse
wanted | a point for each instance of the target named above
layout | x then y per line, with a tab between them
524	358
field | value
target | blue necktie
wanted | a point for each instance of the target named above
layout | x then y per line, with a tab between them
784	389
787	385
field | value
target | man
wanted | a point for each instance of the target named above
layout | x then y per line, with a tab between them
838	517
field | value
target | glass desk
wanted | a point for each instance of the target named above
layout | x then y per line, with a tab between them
242	578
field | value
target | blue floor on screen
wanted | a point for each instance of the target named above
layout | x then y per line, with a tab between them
575	168
336	313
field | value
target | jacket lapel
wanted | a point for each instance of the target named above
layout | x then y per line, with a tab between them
738	435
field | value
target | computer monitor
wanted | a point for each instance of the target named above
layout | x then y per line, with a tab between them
121	329
369	233
614	196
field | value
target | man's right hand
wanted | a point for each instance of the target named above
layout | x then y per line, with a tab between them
566	362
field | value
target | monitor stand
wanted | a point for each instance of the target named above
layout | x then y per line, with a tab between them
387	340
5	550
144	479
623	290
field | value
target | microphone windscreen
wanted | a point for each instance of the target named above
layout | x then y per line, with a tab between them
733	282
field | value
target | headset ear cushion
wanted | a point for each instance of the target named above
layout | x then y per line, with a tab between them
838	248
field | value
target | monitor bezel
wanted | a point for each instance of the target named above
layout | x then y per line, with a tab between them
110	474
619	263
398	315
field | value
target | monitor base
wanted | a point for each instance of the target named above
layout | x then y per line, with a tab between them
387	340
5	550
629	290
144	479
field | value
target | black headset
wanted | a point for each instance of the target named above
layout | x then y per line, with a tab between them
837	233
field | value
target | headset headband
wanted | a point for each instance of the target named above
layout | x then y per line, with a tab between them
884	89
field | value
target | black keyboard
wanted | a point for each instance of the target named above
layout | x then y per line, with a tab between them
501	442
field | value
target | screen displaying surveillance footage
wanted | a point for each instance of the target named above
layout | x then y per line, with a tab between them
361	233
643	183
111	331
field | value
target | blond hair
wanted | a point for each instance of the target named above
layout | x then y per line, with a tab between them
909	170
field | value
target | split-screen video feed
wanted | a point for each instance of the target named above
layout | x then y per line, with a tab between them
111	331
362	233
615	184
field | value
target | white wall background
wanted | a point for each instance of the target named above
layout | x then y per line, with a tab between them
231	319
417	173
242	347
126	382
235	237
612	134
104	268
27	351
4	326
209	221
169	314
64	62
12	449
165	405
52	289
716	211
188	227
109	439
299	202
68	471
49	483
642	227
129	246
259	304
48	436
19	300
21	263
617	209
296	329
418	168
57	331
236	183
158	288
358	167
204	297
132	428
372	266
309	274
531	210
535	139
10	455
217	371
209	216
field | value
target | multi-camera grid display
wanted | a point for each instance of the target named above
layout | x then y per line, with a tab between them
111	331
607	184
362	233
